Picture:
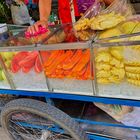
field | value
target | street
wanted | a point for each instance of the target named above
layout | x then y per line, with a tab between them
3	135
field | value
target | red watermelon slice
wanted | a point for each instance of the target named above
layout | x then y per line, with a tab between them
29	61
26	69
38	67
14	66
45	55
16	59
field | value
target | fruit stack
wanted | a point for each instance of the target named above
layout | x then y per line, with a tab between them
25	61
68	64
132	63
109	61
7	57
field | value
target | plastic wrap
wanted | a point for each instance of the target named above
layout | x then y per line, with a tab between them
84	22
112	15
132	53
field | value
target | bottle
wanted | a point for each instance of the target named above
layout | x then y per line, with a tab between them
56	21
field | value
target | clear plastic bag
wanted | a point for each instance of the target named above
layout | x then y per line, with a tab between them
112	15
122	7
115	111
84	22
20	14
132	118
132	52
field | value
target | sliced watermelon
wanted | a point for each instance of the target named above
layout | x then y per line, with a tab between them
45	55
38	67
14	66
26	69
15	61
29	61
20	56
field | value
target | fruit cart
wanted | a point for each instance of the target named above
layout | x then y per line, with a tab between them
36	71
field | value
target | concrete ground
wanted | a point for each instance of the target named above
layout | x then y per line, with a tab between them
3	135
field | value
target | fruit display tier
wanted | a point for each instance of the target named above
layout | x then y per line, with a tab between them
30	81
37	82
123	90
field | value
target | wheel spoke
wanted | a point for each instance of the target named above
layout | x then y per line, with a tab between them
29	133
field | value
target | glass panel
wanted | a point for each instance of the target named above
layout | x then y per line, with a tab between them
68	71
117	69
25	69
66	33
68	65
4	82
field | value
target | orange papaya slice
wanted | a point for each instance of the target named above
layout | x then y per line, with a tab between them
87	74
83	61
56	63
52	57
74	60
69	55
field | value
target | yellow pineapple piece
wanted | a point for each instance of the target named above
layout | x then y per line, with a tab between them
102	74
103	56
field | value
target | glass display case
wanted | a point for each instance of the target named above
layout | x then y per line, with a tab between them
68	66
57	61
65	61
117	66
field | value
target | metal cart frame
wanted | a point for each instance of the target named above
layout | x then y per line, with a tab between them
56	95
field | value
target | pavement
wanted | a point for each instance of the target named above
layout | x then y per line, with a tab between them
3	136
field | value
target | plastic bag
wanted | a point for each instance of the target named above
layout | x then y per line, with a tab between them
84	22
132	118
132	52
112	15
115	111
83	5
20	14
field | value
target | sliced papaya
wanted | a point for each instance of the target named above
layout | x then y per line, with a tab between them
87	74
53	56
56	63
82	71
74	60
68	60
69	54
83	61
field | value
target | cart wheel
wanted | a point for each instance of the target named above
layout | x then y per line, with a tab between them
28	119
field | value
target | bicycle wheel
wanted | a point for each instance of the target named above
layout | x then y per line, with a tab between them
27	119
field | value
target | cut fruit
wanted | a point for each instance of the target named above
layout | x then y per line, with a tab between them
25	69
45	55
38	67
14	66
16	59
29	61
1	77
20	56
8	64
